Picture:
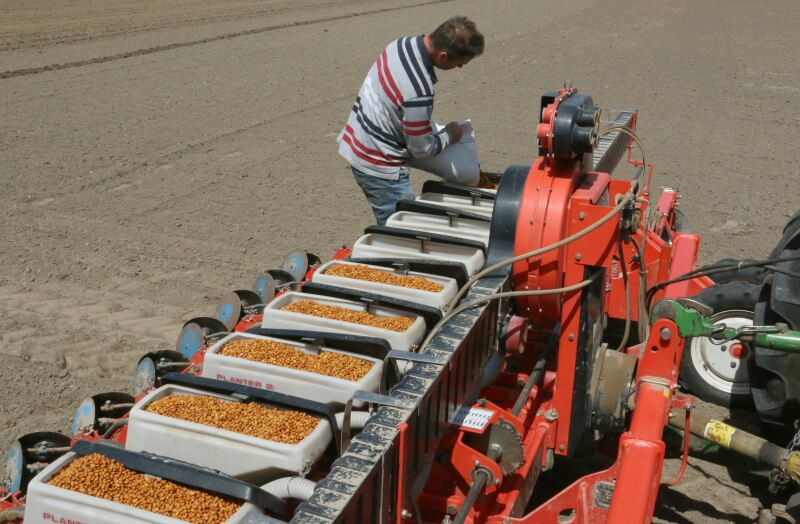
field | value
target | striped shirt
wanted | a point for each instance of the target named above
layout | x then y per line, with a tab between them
391	119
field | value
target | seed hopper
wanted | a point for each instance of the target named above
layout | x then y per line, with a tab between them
476	342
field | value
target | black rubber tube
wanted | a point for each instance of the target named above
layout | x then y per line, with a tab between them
114	427
534	379
479	481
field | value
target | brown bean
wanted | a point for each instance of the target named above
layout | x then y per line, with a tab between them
248	418
313	308
362	272
99	476
326	363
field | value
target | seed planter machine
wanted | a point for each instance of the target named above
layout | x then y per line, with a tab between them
501	333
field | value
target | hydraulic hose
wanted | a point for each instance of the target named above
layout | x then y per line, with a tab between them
644	316
624	200
776	269
715	269
508	294
628	314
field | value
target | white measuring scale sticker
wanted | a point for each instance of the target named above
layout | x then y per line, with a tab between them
472	417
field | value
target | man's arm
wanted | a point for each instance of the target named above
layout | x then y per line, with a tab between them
421	141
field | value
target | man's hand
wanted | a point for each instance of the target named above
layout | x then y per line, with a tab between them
455	131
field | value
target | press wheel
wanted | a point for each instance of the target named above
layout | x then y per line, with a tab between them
298	262
232	305
193	336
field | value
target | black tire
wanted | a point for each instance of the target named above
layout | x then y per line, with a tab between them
704	373
680	224
776	388
153	366
12	515
39	447
752	275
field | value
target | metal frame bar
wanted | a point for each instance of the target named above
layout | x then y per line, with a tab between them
362	485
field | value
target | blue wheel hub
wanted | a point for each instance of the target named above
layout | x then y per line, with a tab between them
145	378
296	264
190	342
226	312
265	287
15	468
84	416
229	309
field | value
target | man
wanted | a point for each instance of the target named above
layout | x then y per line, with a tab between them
390	123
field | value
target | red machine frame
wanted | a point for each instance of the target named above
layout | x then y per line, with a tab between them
559	200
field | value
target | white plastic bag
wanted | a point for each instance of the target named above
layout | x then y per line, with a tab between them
458	163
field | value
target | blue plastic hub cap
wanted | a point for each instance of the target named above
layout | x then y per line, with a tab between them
265	287
15	467
84	417
145	378
296	264
226	312
190	340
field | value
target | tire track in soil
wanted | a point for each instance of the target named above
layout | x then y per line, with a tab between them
36	323
72	342
227	36
37	41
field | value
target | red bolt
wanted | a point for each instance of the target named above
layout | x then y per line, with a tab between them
738	351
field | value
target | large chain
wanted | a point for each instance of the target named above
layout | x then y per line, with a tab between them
793	444
779	477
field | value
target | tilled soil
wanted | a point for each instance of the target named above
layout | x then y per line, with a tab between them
155	154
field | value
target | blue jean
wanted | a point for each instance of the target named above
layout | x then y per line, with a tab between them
382	194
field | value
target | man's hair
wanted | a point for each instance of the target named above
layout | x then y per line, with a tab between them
459	37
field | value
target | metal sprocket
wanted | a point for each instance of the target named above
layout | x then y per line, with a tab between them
504	435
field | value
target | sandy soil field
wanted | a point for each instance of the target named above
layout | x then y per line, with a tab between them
156	154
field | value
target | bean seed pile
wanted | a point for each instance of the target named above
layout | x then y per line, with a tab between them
487	183
248	418
326	363
99	476
362	272
310	307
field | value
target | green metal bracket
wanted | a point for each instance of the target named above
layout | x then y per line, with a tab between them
693	323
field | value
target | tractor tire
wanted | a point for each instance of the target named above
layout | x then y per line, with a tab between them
753	275
776	387
12	515
720	373
680	223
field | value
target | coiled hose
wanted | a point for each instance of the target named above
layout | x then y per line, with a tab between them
291	488
358	419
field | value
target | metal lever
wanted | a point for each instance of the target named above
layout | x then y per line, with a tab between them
401	267
346	430
424	358
701	308
450	217
315	344
408	356
382	400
